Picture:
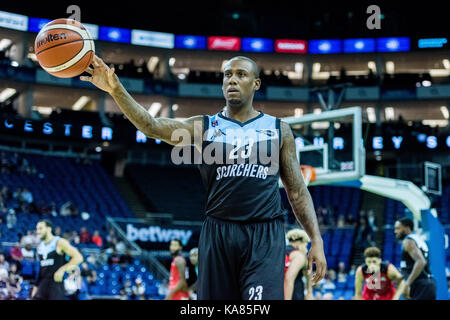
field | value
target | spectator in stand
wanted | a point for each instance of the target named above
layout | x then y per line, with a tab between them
138	289
11	219
114	258
121	247
126	258
341	275
328	296
4	265
97	239
53	210
16	255
372	224
352	270
340	221
28	238
65	209
127	290
36	239
28	252
92	260
14	271
67	235
4	292
328	285
17	195
13	286
42	208
27	196
362	237
6	194
24	207
85	236
74	238
362	214
88	274
57	231
350	220
110	238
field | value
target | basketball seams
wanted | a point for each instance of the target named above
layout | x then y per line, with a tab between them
80	45
60	26
60	44
70	62
62	63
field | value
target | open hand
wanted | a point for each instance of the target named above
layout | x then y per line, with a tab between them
102	76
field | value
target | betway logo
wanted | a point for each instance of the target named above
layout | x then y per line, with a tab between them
157	234
224	43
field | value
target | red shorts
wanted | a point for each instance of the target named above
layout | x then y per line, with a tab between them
181	295
373	295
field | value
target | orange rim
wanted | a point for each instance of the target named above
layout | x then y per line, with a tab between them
308	171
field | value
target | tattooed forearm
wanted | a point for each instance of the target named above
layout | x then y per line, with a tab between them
297	192
158	128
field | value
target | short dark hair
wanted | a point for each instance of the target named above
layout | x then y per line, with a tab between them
256	70
372	252
177	240
48	223
407	222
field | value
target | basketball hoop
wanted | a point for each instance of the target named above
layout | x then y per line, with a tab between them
309	173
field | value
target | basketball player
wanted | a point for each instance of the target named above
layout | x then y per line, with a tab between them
193	274
242	243
419	283
177	281
297	266
377	277
51	253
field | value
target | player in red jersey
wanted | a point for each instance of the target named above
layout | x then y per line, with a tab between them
379	278
178	289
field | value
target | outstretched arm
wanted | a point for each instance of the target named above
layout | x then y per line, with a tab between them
301	201
105	79
359	281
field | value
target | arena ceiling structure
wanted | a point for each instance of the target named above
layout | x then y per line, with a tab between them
252	18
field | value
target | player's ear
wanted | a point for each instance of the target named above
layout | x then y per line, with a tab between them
257	84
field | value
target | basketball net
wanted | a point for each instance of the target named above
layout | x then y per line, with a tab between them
309	173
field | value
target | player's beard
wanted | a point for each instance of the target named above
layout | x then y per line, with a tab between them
175	253
235	102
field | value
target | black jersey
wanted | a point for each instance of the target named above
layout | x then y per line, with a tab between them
49	260
407	263
240	168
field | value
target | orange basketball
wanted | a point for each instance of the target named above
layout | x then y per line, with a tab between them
64	48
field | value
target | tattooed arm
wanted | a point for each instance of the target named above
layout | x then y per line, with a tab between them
301	201
159	128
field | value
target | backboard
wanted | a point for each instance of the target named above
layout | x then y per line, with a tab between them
331	142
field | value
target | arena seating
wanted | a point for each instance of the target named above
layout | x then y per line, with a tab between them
343	200
338	246
175	190
60	180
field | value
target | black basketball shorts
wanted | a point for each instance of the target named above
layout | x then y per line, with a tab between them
241	261
423	289
48	289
